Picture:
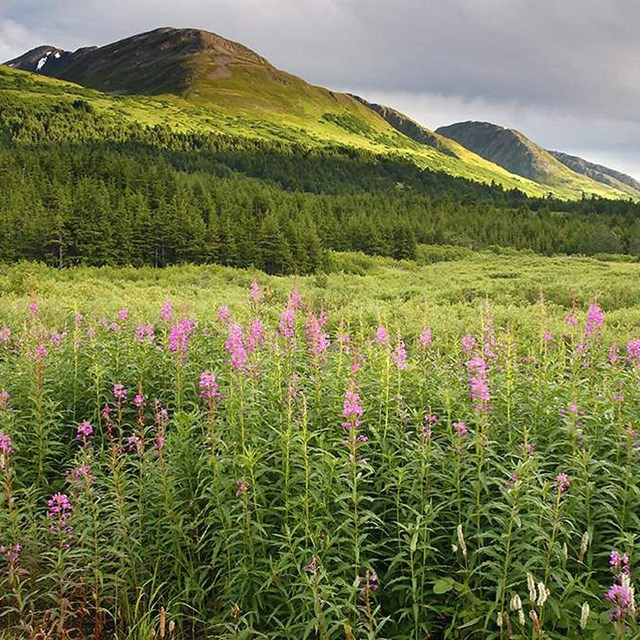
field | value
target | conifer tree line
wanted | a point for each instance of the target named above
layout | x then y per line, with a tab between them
82	188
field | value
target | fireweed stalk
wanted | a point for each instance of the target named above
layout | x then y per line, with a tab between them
352	413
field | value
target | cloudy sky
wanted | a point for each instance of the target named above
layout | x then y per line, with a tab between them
564	72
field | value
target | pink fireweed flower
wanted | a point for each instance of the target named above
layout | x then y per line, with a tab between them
179	337
40	352
208	385
78	475
12	554
223	316
313	566
370	584
547	336
158	443
287	323
633	351
613	355
490	344
33	309
5	399
351	409
469	343
529	449
122	314
461	429
5	334
135	444
241	487
119	392
166	312
84	432
6	449
621	598
255	338
79	319
572	320
595	319
59	507
56	338
382	335
317	340
255	293
562	482
479	387
91	333
138	400
425	338
399	356
235	346
617	398
295	300
144	333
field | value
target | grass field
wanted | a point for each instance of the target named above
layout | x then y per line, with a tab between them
391	450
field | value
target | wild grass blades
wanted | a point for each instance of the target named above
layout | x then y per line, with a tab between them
277	471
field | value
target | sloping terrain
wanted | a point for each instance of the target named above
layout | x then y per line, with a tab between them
599	172
193	80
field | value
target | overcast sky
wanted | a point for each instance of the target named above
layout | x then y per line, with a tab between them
564	72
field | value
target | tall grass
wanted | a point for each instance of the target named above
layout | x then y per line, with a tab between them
188	472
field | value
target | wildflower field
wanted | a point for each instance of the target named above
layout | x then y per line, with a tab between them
446	451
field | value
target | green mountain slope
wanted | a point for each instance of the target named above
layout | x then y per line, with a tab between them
519	155
191	80
600	173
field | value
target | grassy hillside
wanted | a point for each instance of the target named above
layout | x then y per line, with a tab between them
212	84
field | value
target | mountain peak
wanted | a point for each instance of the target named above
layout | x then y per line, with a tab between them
165	60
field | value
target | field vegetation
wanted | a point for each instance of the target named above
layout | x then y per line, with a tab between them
389	450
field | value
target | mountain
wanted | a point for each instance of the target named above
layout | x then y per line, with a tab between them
518	154
193	80
598	172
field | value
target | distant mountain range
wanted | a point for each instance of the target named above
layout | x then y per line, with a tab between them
194	80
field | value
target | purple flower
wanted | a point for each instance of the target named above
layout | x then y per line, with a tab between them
633	351
122	315
425	338
572	320
382	335
33	309
179	337
287	323
84	432
235	346
461	429
255	339
208	385
6	450
223	316
399	356
317	339
595	319
144	333
166	312
370	580
351	409
59	506
119	392
479	387
12	554
80	474
313	566
135	444
138	400
469	343
5	334
255	293
562	482
241	487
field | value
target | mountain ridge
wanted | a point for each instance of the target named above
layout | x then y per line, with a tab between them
206	72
